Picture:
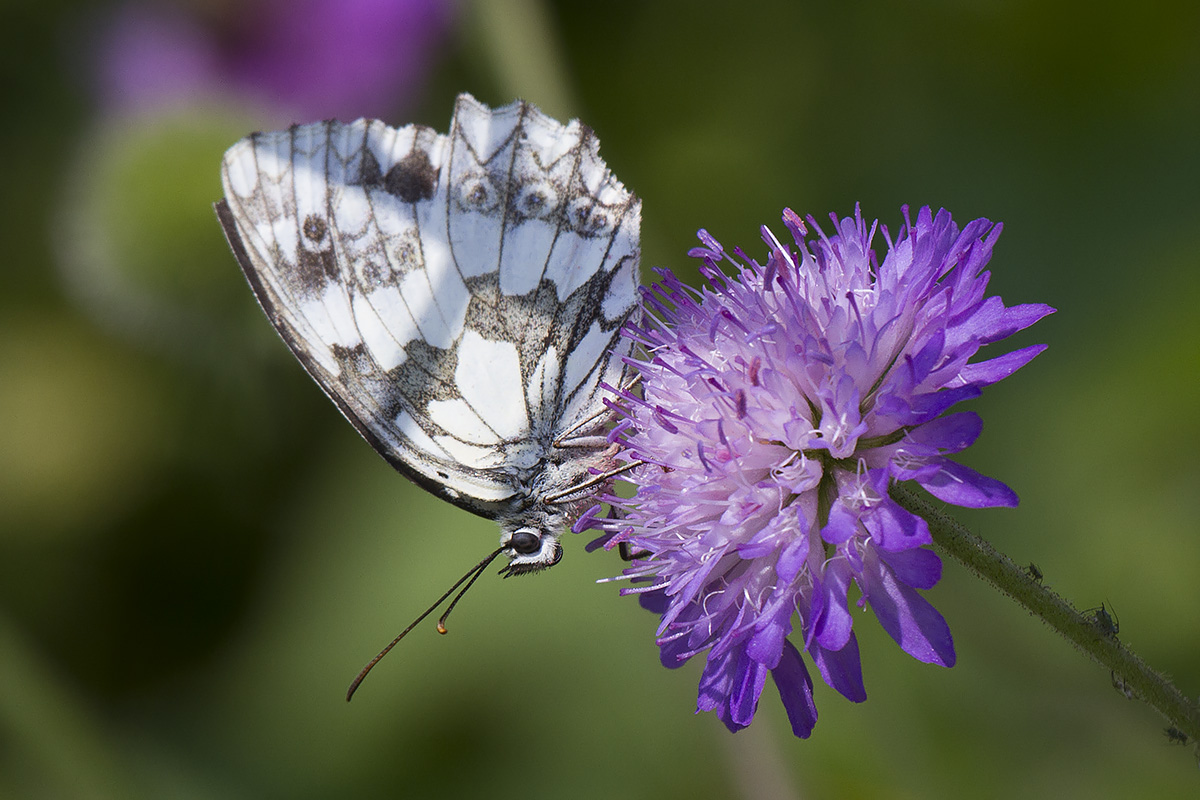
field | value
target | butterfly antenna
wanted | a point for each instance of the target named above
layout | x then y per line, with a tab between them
471	576
441	626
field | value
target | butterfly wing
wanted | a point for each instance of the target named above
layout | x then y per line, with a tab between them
458	296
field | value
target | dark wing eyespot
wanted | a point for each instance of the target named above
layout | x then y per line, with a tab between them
535	199
314	228
589	218
476	193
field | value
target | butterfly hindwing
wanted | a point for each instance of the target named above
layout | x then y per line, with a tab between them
458	296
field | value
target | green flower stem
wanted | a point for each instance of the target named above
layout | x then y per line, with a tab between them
1088	633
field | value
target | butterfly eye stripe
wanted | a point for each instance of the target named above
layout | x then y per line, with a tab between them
459	297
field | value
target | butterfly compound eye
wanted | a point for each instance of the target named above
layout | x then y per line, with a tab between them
525	542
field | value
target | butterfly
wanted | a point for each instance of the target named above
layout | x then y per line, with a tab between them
459	297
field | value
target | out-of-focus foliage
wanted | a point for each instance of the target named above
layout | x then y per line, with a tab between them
197	554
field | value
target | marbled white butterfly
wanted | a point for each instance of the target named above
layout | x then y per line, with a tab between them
459	297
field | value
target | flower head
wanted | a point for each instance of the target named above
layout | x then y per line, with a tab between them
775	407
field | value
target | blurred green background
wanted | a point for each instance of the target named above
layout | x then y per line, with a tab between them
197	553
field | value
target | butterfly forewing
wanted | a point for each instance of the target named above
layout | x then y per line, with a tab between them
458	296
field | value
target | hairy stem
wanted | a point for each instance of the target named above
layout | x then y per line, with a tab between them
1092	634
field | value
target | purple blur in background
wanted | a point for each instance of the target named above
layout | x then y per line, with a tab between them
315	59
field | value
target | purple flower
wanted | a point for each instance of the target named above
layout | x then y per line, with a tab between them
312	58
775	408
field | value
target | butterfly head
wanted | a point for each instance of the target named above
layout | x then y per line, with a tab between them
529	549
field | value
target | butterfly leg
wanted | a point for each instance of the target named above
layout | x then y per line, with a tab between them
572	493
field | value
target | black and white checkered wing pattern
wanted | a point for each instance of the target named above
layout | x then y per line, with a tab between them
458	296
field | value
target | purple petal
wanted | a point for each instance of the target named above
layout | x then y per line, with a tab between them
841	669
751	677
655	602
672	654
832	625
756	549
1013	319
842	524
893	528
905	471
919	568
952	433
794	554
716	682
795	690
925	407
963	486
981	320
766	643
586	521
778	529
985	373
921	364
907	617
674	650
